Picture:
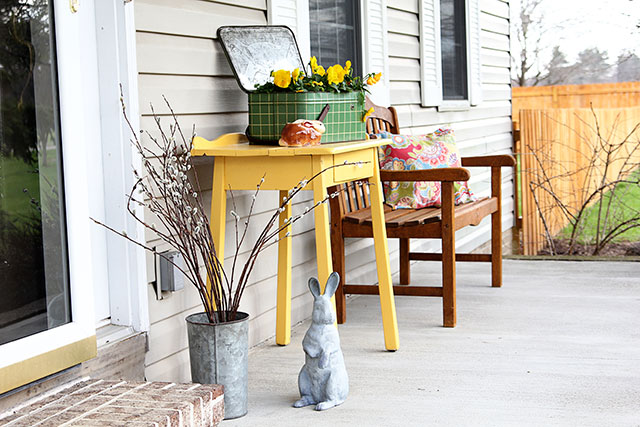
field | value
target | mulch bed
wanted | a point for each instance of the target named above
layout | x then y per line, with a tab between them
620	249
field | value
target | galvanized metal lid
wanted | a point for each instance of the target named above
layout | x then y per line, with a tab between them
254	51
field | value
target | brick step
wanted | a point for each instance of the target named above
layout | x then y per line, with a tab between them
123	403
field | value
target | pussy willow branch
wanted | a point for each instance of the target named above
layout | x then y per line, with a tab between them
171	192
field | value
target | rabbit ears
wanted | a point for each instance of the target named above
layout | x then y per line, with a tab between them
329	290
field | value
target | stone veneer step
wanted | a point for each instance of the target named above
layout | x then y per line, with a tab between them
122	403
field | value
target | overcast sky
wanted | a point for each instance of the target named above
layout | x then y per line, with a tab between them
578	24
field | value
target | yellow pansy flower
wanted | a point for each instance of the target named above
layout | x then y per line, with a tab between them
314	63
335	74
296	74
314	83
374	79
367	114
319	70
282	78
347	67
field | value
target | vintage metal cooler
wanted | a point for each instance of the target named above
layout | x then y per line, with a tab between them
253	52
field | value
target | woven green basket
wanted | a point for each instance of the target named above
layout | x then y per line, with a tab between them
270	112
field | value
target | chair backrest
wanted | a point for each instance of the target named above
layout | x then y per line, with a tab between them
354	196
382	119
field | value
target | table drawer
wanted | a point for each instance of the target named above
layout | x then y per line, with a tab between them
353	172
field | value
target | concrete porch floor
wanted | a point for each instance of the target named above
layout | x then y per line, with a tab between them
558	344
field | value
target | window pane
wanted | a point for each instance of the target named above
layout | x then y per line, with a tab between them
335	32
33	260
454	53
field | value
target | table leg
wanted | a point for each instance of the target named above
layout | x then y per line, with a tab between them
283	308
387	303
217	223
321	216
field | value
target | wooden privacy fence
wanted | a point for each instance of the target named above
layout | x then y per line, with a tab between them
557	153
604	95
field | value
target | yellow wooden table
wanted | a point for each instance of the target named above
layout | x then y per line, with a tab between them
241	166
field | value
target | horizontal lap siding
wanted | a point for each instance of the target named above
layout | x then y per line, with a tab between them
178	57
480	130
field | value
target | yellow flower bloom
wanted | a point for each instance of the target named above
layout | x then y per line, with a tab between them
282	78
374	79
314	63
347	67
317	83
319	70
367	114
335	74
296	74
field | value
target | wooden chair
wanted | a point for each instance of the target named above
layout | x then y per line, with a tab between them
351	217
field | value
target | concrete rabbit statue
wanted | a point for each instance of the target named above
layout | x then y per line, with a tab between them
323	379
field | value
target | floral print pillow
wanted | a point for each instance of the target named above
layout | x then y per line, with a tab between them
416	152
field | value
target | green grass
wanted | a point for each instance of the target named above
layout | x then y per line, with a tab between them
15	177
628	204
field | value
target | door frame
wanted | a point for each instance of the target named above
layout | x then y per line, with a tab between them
84	119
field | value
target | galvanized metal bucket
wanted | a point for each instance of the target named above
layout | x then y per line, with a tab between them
219	354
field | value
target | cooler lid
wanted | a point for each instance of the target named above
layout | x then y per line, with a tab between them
254	51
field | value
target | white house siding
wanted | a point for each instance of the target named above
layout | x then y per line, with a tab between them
178	56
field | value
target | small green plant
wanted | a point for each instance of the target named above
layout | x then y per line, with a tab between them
336	79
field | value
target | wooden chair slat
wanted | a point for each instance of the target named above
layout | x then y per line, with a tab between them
362	201
389	216
365	194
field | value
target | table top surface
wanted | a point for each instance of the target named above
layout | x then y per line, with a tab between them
237	145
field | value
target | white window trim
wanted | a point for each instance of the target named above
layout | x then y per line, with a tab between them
454	105
431	79
123	262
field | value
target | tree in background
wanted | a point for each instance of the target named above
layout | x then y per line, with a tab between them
591	67
628	67
528	33
558	69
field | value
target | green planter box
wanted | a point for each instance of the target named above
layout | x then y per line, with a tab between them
270	112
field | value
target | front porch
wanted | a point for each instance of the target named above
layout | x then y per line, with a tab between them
557	345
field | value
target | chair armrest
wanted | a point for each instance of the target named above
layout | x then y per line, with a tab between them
438	174
497	160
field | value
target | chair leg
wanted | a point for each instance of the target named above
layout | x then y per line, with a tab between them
496	250
448	257
496	230
337	249
405	274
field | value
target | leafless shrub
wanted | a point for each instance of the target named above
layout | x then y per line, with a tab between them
602	174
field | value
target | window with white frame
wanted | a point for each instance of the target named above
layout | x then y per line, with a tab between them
450	53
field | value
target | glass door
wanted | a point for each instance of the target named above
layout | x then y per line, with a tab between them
34	279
